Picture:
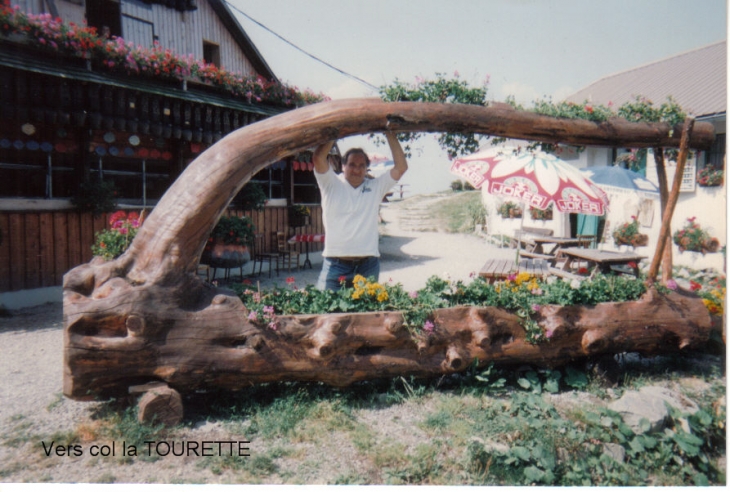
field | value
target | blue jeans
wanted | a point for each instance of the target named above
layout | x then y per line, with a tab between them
334	269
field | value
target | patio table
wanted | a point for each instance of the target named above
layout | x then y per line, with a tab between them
599	260
495	269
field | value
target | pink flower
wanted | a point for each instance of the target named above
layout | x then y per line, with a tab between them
428	326
671	284
252	316
456	73
536	308
413	294
512	277
549	333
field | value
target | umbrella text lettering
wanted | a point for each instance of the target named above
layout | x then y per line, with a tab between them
521	193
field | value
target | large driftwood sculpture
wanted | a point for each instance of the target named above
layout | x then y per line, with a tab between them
147	317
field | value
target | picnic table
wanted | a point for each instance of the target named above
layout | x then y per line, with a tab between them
535	246
306	239
598	261
495	269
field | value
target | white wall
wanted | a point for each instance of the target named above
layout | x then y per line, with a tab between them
707	204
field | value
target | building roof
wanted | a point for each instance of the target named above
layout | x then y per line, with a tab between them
242	39
696	79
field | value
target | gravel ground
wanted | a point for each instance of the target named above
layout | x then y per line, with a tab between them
34	411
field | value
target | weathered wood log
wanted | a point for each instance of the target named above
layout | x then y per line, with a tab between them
160	404
146	316
218	347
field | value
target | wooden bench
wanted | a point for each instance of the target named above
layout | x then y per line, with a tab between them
540	256
495	270
559	272
522	239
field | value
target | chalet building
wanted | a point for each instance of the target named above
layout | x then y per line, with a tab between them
697	81
78	105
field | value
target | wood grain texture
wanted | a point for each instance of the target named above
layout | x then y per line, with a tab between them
146	316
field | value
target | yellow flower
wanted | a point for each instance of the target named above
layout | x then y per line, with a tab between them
383	296
359	279
522	277
358	293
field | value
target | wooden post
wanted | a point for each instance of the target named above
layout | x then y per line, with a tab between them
661	172
673	197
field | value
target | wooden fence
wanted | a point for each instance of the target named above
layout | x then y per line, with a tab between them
38	247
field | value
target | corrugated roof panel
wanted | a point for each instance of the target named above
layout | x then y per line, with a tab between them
696	79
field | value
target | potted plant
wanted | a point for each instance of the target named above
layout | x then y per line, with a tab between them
510	210
299	215
709	176
692	237
537	214
228	244
628	234
111	243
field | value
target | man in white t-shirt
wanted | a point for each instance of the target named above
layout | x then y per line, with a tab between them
350	206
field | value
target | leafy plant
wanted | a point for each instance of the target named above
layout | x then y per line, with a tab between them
441	90
117	55
251	197
111	243
509	209
692	237
628	233
234	230
709	176
97	197
538	214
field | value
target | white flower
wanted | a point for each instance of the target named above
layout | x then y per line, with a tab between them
575	283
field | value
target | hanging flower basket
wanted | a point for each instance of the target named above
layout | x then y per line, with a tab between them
627	234
299	216
537	214
510	210
692	237
709	176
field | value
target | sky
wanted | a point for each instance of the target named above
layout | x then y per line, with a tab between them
528	49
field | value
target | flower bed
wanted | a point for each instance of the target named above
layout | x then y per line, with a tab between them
111	243
118	56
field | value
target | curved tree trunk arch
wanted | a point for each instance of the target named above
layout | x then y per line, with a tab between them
146	316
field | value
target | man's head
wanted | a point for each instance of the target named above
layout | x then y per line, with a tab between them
355	166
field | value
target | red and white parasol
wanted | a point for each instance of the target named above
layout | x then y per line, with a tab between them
532	177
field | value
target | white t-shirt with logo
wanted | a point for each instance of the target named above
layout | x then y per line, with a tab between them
350	215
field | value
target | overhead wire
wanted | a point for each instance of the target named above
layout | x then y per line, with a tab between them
314	57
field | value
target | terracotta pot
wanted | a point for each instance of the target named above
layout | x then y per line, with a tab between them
220	255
